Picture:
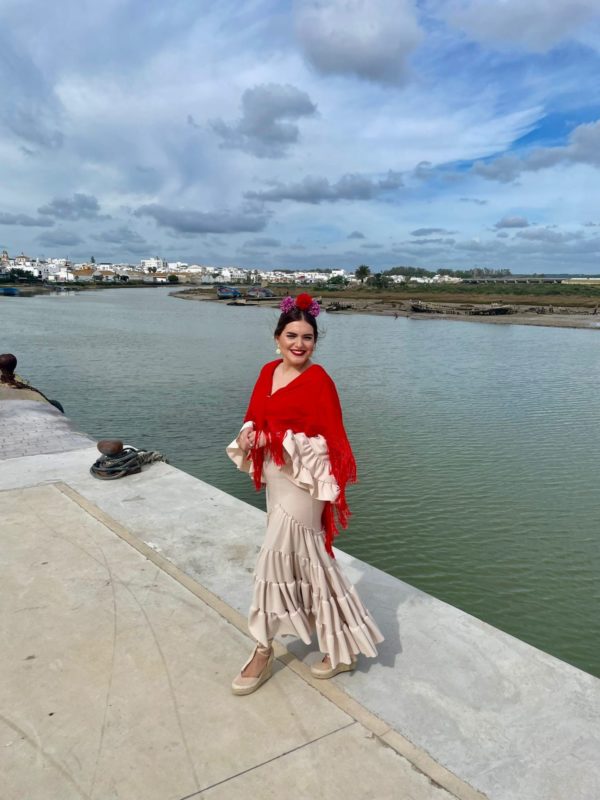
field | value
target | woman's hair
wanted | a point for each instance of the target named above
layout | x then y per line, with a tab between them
296	314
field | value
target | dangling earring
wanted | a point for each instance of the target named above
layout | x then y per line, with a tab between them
277	351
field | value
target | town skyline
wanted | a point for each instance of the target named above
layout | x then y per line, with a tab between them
305	135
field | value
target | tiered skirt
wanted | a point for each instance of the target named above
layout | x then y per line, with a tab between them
298	587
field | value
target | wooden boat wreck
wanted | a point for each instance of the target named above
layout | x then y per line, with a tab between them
491	311
465	309
423	308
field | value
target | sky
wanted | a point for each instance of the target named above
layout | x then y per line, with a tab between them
299	135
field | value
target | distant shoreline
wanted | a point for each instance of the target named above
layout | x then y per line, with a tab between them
544	315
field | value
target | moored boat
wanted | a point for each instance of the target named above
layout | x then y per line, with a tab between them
228	292
260	293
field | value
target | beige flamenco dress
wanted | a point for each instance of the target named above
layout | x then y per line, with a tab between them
298	587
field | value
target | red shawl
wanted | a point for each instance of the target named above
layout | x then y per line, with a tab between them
309	404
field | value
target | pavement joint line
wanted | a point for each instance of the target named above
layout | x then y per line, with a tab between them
269	760
417	756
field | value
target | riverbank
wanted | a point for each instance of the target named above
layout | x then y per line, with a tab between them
542	314
33	289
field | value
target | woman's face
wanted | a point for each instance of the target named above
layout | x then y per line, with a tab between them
296	342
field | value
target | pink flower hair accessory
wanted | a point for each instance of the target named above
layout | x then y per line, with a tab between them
287	304
304	301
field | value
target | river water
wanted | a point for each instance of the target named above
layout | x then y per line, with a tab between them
478	446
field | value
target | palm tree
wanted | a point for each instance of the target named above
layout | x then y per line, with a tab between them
362	273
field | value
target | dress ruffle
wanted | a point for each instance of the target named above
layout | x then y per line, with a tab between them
306	464
299	588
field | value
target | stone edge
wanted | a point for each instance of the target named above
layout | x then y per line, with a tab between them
419	758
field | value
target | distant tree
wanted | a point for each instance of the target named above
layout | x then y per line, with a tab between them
92	260
338	280
173	278
410	272
362	273
379	280
23	276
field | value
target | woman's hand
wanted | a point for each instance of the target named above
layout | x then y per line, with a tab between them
246	439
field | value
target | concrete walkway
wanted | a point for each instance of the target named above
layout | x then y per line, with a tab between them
114	682
123	605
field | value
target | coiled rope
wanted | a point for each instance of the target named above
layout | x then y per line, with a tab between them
128	461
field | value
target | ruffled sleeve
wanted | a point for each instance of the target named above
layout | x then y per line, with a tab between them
237	455
307	465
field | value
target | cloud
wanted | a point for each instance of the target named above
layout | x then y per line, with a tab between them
317	190
135	120
369	39
121	235
548	235
267	128
356	235
535	25
80	206
474	200
477	246
511	222
59	238
30	109
502	235
429	231
371	246
24	219
424	171
190	221
505	169
262	241
436	240
583	147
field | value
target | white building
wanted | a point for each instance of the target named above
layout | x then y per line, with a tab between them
156	263
61	275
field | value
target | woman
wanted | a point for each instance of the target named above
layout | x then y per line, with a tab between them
293	440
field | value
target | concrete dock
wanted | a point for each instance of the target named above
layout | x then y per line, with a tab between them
123	622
